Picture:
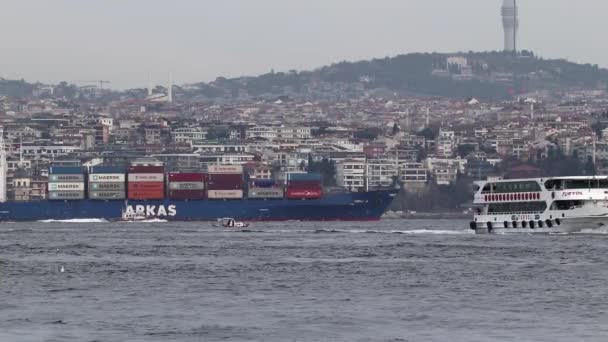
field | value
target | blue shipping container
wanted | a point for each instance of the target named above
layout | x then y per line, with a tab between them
263	183
66	170
108	169
303	176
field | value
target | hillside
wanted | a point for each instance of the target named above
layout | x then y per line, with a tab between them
490	75
486	75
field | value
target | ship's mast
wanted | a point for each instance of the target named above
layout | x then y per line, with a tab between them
3	168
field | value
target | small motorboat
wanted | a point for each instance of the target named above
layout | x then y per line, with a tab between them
131	216
228	222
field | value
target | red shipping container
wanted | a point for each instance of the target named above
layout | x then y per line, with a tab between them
146	194
186	177
215	186
304	193
146	186
146	169
187	194
226	177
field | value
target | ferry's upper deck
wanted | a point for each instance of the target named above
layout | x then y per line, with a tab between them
542	189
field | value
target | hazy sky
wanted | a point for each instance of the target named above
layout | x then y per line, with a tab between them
198	40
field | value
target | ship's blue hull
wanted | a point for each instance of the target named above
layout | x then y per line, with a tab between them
350	206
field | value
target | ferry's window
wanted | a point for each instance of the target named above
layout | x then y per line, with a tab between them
577	184
603	183
566	205
515	207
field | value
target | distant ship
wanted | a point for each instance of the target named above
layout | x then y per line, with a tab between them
541	205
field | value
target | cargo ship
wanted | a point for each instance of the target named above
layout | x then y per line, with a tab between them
108	192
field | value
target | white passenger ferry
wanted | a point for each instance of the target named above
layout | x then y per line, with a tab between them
541	205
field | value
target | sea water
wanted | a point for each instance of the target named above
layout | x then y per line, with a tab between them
394	280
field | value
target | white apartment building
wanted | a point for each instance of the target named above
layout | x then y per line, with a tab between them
381	172
188	135
47	151
278	132
412	174
350	173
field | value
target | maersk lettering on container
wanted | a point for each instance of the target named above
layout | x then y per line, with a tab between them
66	186
107	177
66	195
103	195
66	178
106	186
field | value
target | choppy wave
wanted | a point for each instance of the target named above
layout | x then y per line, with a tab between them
374	231
149	221
87	220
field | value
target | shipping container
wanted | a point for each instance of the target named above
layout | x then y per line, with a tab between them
304	184
145	186
263	183
146	169
265	193
66	178
146	177
66	195
225	169
224	194
66	170
106	177
186	186
304	194
187	194
66	186
186	177
107	169
235	177
107	186
146	195
106	195
302	176
215	186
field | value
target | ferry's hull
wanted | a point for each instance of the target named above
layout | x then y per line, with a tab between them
564	225
346	207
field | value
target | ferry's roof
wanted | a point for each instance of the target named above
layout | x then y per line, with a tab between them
544	179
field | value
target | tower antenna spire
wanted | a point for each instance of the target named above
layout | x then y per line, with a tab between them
510	24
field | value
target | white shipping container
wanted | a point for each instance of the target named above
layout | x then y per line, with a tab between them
66	178
226	169
186	185
106	177
66	195
146	177
225	194
265	193
66	186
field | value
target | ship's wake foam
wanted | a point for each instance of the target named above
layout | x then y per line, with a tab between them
91	220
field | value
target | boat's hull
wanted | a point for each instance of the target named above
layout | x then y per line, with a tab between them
347	207
564	225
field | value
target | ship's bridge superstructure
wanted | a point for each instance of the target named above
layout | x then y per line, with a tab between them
541	204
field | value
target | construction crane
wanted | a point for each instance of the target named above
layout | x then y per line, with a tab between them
101	82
